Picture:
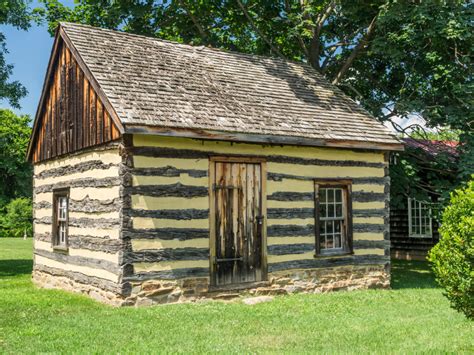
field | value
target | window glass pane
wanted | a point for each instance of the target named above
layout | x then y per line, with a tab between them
329	227
337	240
330	195
62	233
339	210
337	226
338	195
329	242
322	243
331	211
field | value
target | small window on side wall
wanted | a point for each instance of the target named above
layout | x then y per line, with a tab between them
419	219
60	218
333	214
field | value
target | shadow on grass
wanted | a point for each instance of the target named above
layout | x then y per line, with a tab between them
15	267
412	274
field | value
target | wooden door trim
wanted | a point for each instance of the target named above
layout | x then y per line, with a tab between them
212	211
237	159
212	223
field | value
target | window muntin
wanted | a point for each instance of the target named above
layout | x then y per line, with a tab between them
60	218
333	218
419	219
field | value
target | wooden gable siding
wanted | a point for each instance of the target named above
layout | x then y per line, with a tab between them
72	117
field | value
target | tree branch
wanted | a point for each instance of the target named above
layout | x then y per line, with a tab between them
357	49
256	29
300	39
316	41
195	21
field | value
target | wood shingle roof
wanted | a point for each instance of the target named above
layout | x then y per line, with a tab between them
155	83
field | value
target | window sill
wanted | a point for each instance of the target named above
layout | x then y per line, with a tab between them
332	254
60	249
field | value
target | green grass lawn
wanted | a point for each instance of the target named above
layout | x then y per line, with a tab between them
412	317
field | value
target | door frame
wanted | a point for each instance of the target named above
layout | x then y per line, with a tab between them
212	215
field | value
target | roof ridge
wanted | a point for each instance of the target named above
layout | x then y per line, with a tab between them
279	96
192	46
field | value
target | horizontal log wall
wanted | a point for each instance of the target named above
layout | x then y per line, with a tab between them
94	255
402	245
168	210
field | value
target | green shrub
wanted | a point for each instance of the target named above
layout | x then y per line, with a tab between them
18	218
453	257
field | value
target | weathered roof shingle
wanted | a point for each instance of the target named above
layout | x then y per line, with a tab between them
159	83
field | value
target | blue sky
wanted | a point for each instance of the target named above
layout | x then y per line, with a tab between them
29	53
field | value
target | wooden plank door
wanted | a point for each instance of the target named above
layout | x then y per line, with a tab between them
238	223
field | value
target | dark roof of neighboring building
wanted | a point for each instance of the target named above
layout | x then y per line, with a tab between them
156	83
433	147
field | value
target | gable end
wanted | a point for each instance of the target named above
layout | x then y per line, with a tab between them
72	114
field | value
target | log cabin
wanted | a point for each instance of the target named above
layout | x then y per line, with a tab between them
415	208
165	172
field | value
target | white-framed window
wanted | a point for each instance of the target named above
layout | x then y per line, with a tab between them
333	217
60	218
419	219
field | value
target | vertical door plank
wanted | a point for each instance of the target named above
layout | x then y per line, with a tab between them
229	233
219	203
250	222
257	223
242	213
236	278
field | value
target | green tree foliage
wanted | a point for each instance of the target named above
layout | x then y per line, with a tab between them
15	171
453	257
394	57
17	221
15	13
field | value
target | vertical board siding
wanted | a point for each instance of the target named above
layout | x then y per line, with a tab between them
73	116
170	203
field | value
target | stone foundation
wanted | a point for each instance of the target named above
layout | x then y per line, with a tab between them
154	292
46	280
280	283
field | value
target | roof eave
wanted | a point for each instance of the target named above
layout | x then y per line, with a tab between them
260	138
